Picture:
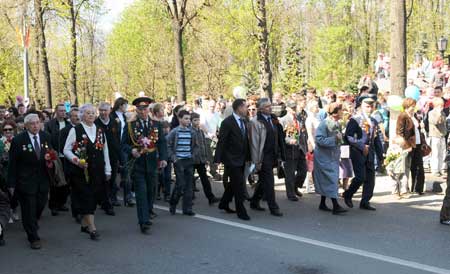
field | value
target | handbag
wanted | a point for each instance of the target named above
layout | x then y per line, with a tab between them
424	147
280	171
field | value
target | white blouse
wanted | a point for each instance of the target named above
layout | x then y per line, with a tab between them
91	134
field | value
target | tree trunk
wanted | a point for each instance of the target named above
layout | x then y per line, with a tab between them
73	57
398	47
265	72
179	57
398	56
40	27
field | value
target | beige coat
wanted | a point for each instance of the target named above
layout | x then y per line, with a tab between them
257	140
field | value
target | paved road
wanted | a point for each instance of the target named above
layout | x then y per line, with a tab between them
402	236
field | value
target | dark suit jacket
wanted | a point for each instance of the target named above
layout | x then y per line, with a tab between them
360	161
52	128
233	148
26	173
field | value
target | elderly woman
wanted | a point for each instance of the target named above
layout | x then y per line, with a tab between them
327	154
86	149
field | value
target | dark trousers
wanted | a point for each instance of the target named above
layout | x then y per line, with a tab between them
145	187
295	172
417	172
234	188
445	210
31	206
363	176
201	170
58	196
4	209
113	187
183	184
102	194
165	179
266	184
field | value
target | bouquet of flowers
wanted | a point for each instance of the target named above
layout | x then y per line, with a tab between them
50	157
292	131
80	150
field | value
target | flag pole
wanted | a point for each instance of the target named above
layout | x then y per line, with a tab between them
25	41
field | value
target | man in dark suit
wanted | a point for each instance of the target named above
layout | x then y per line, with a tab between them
267	150
118	114
365	144
110	127
74	121
28	175
58	195
233	151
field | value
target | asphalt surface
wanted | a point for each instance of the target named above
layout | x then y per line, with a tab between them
402	236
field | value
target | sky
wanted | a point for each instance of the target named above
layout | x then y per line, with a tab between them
113	10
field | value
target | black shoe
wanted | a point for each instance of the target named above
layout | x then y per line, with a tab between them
63	208
324	208
338	210
36	245
130	203
293	199
298	193
94	235
85	229
149	223
144	228
348	201
276	212
256	206
367	206
172	209
227	209
445	222
116	204
244	217
213	200
54	212
189	213
110	212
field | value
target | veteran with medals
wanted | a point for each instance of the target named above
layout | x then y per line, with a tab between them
146	144
363	136
86	149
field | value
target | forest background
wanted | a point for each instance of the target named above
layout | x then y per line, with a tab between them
215	45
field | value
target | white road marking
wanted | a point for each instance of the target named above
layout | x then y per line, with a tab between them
341	248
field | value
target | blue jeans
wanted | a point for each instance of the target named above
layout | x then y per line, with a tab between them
184	170
144	185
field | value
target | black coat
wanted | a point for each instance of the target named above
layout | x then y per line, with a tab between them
112	133
233	149
52	128
26	173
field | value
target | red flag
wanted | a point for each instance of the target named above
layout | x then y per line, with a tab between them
26	43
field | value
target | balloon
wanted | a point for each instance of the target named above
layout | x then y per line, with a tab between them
412	92
240	92
394	102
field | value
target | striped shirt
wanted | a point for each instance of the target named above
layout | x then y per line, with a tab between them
183	146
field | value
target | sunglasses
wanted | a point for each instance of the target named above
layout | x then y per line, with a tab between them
8	129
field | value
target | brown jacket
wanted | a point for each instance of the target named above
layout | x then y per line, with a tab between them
405	129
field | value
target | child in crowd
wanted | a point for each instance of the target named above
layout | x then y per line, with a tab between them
200	157
180	149
164	177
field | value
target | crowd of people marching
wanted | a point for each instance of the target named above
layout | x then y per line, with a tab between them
78	159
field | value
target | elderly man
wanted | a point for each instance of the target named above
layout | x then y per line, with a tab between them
267	148
28	175
110	127
58	195
145	142
365	144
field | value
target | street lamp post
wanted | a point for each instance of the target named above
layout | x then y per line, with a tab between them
442	47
